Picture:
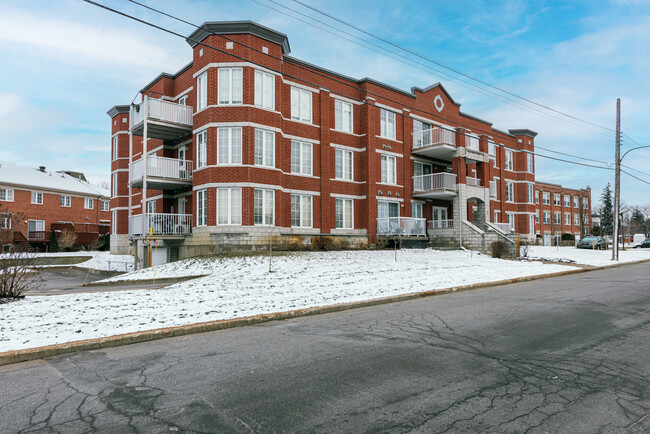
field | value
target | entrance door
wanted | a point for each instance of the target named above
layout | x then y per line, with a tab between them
440	218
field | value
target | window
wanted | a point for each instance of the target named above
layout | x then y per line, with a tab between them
530	193
202	91
576	219
547	217
65	201
7	194
201	208
387	124
510	219
228	206
263	207
114	185
230	85
546	198
343	164
114	222
510	191
529	162
36	225
264	89
585	203
567	218
509	155
496	216
531	224
421	134
182	100
264	148
301	211
344	214
301	161
386	210
37	198
586	219
115	148
342	116
388	169
420	169
104	205
536	196
537	216
151	207
567	200
557	218
556	199
576	203
301	104
416	210
201	149
492	149
5	222
229	145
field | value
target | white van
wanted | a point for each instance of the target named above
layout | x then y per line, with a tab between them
637	239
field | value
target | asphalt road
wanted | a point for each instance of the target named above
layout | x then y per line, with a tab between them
568	354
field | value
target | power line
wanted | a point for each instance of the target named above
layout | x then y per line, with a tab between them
445	66
296	78
462	83
313	84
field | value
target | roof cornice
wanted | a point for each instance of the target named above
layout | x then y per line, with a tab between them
238	27
117	109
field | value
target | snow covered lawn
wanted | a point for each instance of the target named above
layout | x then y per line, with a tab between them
240	287
586	256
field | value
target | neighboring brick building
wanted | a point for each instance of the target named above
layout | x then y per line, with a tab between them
246	142
49	201
561	210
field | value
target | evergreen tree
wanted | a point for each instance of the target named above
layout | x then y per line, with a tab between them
54	242
637	221
607	213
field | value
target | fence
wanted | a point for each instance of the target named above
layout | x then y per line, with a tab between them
401	226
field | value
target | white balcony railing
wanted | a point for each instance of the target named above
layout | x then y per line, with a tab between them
433	136
161	110
470	180
401	226
435	181
160	224
503	227
440	224
493	189
471	142
162	167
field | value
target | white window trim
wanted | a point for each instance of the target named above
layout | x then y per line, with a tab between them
264	190
343	153
300	217
301	94
343	201
342	129
264	133
230	161
384	124
260	79
9	195
202	215
301	147
385	161
230	219
230	99
35	196
201	152
68	201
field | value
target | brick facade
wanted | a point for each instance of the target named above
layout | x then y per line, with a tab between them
561	210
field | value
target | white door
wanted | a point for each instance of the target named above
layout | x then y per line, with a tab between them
439	217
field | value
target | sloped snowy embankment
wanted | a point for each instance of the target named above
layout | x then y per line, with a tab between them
239	287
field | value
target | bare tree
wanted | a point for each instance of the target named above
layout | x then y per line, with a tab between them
67	239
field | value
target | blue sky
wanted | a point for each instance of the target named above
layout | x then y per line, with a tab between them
65	63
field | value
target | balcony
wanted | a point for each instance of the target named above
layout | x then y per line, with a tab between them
160	224
435	186
440	224
162	173
503	227
473	149
470	180
493	189
165	120
436	143
401	227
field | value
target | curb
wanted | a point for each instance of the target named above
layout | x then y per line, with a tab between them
163	280
28	354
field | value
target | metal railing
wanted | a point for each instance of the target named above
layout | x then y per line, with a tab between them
38	235
162	167
435	181
471	142
160	224
440	224
470	180
162	110
434	136
401	226
493	189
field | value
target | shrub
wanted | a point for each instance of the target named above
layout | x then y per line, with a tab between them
322	243
16	275
66	239
568	237
499	249
343	244
54	243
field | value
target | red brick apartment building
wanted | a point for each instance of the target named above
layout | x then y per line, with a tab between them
561	211
246	142
49	201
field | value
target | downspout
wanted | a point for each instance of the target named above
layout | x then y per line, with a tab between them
460	216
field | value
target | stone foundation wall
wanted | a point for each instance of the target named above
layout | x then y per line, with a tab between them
120	244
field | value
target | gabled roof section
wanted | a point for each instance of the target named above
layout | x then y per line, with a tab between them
117	109
166	75
433	86
238	27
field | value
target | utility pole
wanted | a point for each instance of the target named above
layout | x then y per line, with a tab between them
617	180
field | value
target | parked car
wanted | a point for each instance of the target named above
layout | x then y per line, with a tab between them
590	242
644	244
637	239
